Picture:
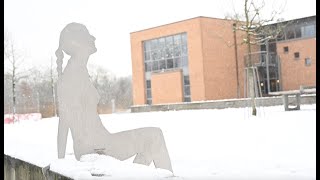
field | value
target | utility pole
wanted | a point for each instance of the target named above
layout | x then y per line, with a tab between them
267	64
236	58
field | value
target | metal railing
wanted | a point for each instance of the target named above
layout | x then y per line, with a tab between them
260	59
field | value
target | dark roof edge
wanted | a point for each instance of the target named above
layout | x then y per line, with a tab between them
306	17
217	19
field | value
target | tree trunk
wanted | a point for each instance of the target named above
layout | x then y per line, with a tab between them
251	91
250	64
13	85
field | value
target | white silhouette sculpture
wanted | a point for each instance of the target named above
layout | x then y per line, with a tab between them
78	99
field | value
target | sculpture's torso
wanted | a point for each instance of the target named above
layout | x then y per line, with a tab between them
78	99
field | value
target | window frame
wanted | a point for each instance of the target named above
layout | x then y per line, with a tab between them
306	60
295	55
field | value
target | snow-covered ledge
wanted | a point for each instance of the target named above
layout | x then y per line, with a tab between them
205	144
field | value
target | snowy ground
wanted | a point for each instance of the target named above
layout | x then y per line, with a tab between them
203	144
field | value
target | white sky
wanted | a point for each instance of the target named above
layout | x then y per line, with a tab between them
35	25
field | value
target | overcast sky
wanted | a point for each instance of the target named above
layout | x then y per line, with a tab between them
35	25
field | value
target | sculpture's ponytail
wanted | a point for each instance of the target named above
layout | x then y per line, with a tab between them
59	61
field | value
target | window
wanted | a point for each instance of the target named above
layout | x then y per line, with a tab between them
187	99
148	92
147	56
161	43
148	66
184	38
177	39
147	46
187	90
263	47
154	44
184	61
162	65
169	63
184	50
169	52
280	36
155	66
177	62
177	51
307	62
286	49
298	31
296	55
166	52
148	84
272	47
290	34
308	31
186	80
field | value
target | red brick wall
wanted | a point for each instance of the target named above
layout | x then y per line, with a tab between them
220	75
293	71
192	28
167	87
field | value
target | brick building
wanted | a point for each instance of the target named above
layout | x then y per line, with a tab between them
195	60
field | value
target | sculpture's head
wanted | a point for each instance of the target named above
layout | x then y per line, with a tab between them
75	40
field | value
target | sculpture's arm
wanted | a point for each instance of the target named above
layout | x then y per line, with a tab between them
63	130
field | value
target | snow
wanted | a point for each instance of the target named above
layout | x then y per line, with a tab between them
202	144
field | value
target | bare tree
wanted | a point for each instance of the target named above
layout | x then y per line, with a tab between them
15	61
255	33
111	88
53	89
43	90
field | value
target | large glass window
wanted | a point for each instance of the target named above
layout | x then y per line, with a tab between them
290	33
298	29
148	92
170	52
308	31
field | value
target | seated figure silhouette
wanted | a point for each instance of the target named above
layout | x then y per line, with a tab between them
78	99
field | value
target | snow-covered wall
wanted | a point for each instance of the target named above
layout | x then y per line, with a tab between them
222	104
18	169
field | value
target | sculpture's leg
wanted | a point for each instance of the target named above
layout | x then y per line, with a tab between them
143	158
62	137
160	156
146	143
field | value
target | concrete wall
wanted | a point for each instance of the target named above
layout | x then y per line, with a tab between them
293	71
192	28
15	169
221	104
167	87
